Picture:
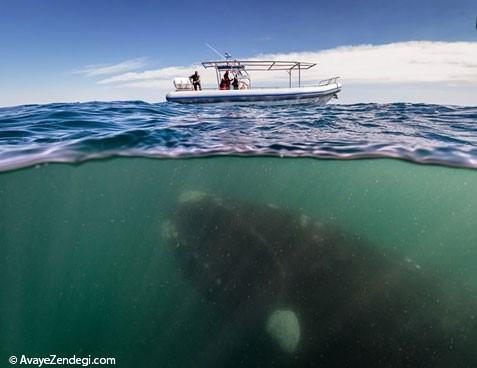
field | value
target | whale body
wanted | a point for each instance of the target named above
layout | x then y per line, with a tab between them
316	295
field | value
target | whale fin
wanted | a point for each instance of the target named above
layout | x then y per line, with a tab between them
283	327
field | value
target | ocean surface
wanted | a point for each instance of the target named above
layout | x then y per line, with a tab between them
35	134
88	193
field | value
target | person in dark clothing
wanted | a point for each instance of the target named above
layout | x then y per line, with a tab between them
235	83
195	80
227	80
223	85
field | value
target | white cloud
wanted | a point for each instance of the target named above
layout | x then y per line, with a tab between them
148	83
402	62
164	73
420	71
100	70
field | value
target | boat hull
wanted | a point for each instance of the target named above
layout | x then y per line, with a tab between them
317	95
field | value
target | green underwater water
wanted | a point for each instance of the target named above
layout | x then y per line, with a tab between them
85	269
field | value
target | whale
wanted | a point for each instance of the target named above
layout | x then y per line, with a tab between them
300	292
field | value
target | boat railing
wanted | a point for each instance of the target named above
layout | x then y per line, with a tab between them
321	83
326	82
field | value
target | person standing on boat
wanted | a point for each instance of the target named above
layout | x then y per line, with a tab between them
227	80
222	85
235	83
195	80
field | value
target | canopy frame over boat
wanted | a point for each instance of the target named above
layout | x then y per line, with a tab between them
241	68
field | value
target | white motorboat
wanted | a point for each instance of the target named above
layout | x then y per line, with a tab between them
245	93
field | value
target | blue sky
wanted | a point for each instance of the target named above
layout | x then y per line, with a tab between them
43	42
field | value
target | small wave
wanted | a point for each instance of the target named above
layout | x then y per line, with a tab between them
434	134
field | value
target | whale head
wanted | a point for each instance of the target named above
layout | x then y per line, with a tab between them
223	249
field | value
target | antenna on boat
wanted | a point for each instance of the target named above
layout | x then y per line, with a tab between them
215	50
